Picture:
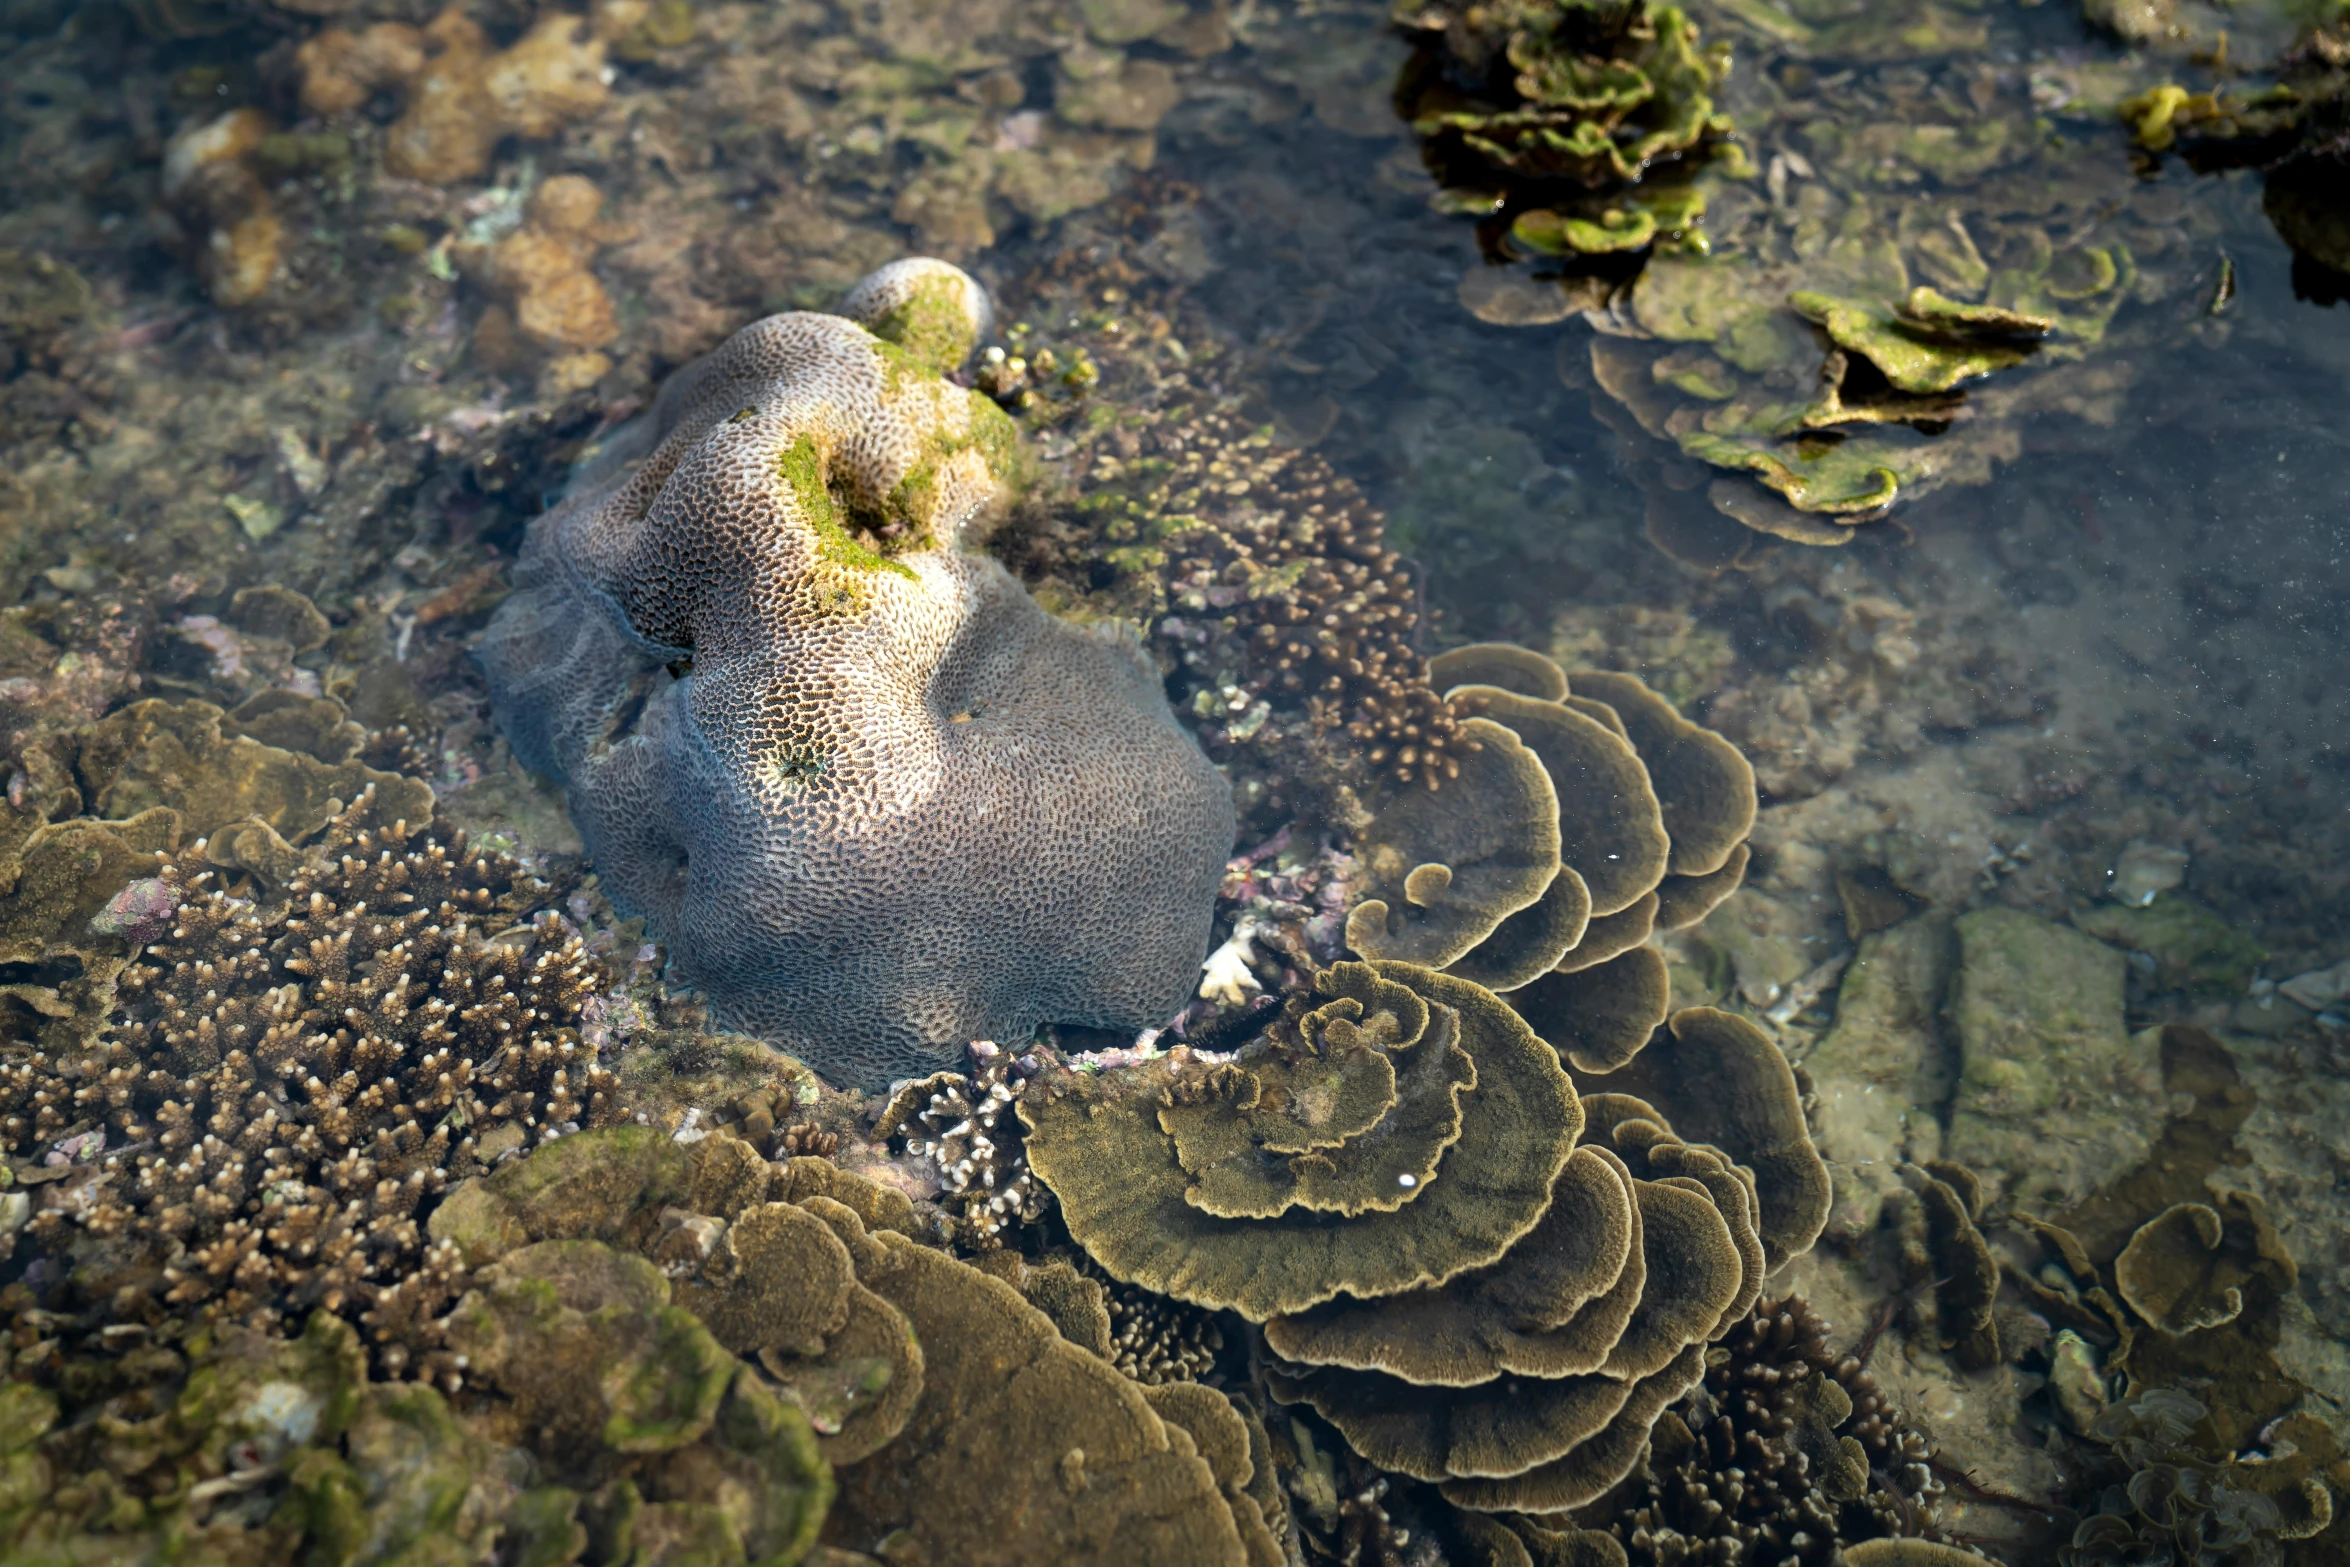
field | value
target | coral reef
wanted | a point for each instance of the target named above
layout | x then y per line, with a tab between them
291	1086
1786	1453
1467	1294
464	94
998	801
666	1351
551	303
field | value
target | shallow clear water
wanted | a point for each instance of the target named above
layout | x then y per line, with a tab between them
2051	872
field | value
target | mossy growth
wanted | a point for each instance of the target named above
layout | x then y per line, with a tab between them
2193	949
913	502
802	468
930	324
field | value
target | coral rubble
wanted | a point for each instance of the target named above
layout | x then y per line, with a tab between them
464	94
835	719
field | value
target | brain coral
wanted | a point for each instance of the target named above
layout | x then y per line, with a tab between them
877	802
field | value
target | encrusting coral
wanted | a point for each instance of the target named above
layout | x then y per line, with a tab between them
1480	1278
1589	815
877	802
290	1086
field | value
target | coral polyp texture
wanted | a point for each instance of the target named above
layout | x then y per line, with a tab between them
876	800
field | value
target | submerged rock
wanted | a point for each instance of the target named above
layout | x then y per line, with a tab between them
2055	1096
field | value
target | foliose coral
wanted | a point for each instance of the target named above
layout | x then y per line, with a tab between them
2176	1501
290	1086
1531	108
1590	815
875	799
669	1352
1473	1291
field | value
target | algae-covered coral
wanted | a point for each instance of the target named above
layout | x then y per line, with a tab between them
1553	114
789	705
1884	296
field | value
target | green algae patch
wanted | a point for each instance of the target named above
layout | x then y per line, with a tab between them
2193	949
1910	360
1617	229
929	325
802	468
1831	480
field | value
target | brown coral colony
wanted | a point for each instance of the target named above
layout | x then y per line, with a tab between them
292	1085
1287	555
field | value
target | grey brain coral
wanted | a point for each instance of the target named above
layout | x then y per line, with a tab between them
877	802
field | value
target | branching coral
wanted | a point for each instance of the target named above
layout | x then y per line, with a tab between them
1785	1454
1156	1340
964	1125
1275	565
292	1086
876	800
